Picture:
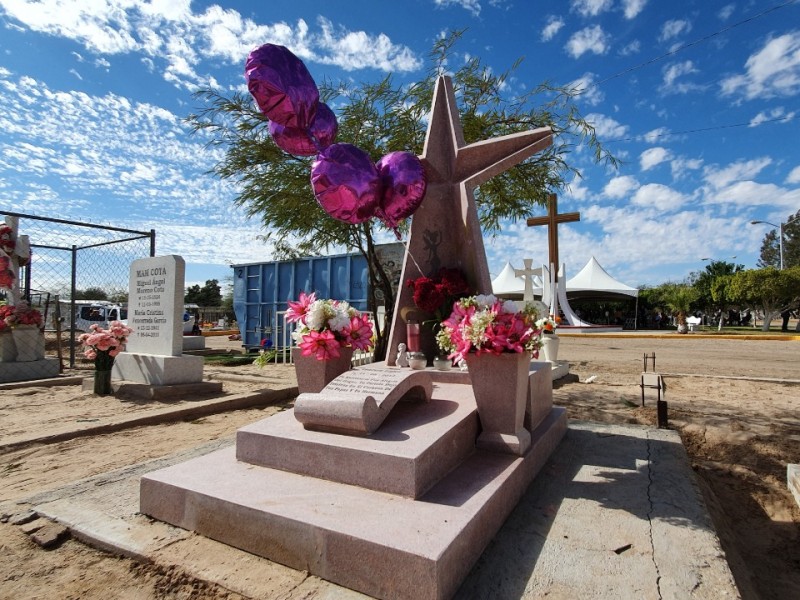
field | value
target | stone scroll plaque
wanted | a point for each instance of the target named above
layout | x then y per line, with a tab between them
155	305
357	402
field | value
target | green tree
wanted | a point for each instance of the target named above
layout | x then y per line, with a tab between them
380	118
770	289
208	295
770	246
91	293
679	298
704	283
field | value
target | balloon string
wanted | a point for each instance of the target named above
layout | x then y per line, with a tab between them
411	256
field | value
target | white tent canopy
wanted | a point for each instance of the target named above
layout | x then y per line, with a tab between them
593	280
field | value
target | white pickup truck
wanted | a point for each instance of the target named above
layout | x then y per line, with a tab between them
102	312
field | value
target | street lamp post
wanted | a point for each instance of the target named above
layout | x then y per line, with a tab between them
780	234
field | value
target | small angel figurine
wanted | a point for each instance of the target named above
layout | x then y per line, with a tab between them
402	356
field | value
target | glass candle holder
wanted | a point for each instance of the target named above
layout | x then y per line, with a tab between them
412	336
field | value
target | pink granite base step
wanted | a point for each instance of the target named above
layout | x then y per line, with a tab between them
381	544
417	445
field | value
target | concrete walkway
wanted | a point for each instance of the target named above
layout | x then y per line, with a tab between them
615	513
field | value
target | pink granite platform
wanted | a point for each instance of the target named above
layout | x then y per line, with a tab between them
384	545
402	513
417	445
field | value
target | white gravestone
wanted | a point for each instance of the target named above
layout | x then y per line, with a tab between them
155	305
155	313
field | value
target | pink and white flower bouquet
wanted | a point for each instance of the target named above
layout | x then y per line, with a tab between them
485	324
103	345
325	326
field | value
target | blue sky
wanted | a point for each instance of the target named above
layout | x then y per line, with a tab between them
93	93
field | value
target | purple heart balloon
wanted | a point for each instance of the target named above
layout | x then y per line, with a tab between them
282	86
346	183
299	142
404	183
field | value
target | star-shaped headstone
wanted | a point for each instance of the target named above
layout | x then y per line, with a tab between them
445	231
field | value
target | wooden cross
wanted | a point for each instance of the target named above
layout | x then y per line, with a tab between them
552	220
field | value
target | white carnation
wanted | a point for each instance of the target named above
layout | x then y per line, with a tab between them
485	300
510	307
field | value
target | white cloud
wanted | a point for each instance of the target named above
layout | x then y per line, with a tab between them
738	171
633	48
771	115
590	39
606	127
681	166
749	193
619	187
553	26
656	134
633	7
726	11
675	70
590	93
653	157
576	190
169	33
772	71
658	196
591	8
673	28
472	6
794	175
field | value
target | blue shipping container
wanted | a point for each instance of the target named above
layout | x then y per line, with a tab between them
261	291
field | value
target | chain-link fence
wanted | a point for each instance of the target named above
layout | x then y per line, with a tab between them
77	276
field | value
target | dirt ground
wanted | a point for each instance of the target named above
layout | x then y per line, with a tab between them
734	402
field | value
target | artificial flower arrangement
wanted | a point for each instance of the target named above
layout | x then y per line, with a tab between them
485	324
103	345
21	314
436	294
7	243
549	324
6	274
325	326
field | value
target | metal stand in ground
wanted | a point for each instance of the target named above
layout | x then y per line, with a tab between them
653	380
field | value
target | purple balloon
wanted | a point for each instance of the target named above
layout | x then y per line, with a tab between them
282	86
346	183
299	142
404	184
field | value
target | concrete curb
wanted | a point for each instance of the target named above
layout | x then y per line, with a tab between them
687	336
52	382
195	410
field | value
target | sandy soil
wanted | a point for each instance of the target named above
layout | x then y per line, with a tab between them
734	402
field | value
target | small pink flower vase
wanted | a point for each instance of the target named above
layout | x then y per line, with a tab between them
313	375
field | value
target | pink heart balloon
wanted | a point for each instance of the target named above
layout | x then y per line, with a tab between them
282	86
299	142
404	185
346	183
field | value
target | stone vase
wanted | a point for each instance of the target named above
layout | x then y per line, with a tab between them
29	341
313	374
549	349
8	350
500	385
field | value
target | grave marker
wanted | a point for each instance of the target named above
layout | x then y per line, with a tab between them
155	305
153	356
445	230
